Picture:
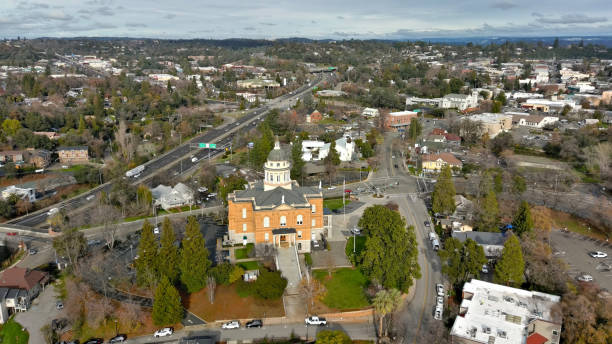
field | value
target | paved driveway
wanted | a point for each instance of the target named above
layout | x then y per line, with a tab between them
574	248
322	259
40	314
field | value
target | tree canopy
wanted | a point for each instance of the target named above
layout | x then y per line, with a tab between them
146	264
194	263
461	260
522	222
168	257
167	307
443	197
510	268
333	337
388	242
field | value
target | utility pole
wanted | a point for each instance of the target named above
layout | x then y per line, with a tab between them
343	202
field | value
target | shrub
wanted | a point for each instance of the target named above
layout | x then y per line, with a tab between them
269	285
308	259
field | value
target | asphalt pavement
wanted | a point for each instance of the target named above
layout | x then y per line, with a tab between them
574	250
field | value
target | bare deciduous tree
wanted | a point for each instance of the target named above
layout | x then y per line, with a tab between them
211	284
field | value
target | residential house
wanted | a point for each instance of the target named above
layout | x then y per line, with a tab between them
435	162
18	287
12	156
73	155
399	121
491	242
276	211
314	117
370	112
452	138
172	197
345	148
492	313
435	138
318	150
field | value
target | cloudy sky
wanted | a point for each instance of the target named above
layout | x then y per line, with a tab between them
387	19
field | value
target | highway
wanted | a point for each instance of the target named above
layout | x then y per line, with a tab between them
177	160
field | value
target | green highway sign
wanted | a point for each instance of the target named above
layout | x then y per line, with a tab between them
207	145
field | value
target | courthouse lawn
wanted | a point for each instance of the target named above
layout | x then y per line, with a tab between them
345	288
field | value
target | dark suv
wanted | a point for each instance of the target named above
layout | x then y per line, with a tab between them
254	323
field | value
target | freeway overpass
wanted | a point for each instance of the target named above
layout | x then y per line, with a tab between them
176	161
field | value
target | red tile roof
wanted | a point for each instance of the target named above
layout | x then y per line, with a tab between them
22	278
536	338
438	131
452	137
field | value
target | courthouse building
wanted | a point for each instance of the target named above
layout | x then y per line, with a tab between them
276	210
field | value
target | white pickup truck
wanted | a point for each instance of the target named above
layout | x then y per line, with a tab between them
315	320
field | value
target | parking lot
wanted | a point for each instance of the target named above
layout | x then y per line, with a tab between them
574	250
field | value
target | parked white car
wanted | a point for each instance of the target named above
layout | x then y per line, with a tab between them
166	331
438	313
598	254
231	325
440	289
485	269
585	278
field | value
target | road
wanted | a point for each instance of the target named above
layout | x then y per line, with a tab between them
179	159
357	331
416	315
573	249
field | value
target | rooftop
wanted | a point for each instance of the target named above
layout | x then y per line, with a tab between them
502	313
22	278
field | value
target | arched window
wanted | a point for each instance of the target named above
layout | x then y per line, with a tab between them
314	208
267	237
266	222
299	219
244	227
283	221
314	223
244	213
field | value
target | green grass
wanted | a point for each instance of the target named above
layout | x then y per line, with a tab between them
11	333
252	265
345	289
73	168
243	253
334	203
308	259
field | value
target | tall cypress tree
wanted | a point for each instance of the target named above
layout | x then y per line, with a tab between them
510	268
146	264
522	222
194	261
443	198
298	163
168	257
167	307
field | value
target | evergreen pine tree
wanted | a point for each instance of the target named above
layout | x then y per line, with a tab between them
168	257
167	307
443	197
146	264
522	221
510	268
415	129
297	163
489	212
194	261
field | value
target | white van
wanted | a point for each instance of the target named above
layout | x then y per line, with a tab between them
432	236
52	211
435	244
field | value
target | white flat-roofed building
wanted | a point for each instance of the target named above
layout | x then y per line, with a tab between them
526	95
459	101
370	112
556	104
493	313
492	123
